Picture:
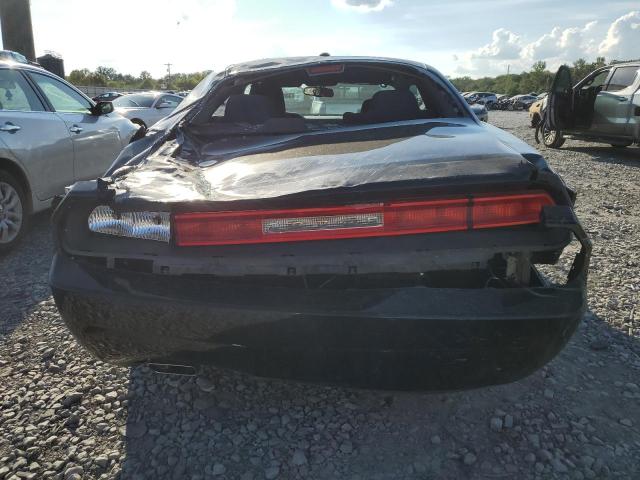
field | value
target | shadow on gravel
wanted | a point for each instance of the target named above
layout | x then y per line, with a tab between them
24	274
228	425
629	156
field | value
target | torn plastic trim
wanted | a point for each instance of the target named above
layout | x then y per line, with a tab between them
562	216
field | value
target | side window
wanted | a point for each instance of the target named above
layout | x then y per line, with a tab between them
597	80
622	78
16	94
169	101
220	110
62	97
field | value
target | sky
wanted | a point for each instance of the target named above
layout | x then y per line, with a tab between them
458	37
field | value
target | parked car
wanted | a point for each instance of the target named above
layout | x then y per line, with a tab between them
503	103
521	102
487	99
145	109
536	109
51	135
107	96
390	247
602	107
481	112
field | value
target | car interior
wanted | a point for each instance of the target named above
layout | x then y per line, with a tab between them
584	98
301	100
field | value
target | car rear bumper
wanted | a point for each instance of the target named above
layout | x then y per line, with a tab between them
402	338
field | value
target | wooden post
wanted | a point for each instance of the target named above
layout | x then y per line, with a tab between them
17	33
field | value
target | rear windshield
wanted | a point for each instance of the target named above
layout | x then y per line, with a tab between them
299	100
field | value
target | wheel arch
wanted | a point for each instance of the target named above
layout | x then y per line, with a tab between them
16	171
139	121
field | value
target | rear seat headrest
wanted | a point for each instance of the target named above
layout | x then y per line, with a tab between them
254	109
387	106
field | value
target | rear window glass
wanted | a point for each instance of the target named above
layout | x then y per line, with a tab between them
622	78
16	94
297	100
346	98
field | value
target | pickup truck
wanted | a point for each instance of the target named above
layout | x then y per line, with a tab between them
603	107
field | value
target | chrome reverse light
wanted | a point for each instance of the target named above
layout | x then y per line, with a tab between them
142	225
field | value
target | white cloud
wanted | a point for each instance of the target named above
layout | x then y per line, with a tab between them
570	43
623	38
493	57
508	49
504	45
362	6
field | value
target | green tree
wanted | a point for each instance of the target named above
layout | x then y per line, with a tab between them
538	79
109	77
79	77
107	73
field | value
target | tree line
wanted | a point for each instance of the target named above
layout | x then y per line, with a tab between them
109	77
537	80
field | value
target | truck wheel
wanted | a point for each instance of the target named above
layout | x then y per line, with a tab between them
552	138
13	211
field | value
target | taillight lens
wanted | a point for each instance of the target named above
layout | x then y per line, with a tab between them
508	210
356	221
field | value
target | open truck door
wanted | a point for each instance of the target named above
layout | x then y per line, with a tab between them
559	113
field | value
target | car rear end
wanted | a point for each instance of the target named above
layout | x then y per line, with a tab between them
391	247
397	289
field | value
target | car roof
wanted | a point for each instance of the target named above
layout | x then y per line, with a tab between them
25	66
275	63
614	65
625	64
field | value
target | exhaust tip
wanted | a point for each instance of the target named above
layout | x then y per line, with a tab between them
171	369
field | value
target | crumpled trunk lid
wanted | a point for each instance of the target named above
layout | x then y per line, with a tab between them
438	153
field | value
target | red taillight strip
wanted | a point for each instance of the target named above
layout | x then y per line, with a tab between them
508	210
357	221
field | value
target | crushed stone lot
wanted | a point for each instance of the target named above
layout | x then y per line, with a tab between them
67	416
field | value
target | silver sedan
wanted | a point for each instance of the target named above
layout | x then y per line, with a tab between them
51	136
147	108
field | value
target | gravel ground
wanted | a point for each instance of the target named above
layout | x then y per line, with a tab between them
65	415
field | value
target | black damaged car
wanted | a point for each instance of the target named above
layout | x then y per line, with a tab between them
328	219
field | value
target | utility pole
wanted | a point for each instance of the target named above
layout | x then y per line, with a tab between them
508	68
168	74
17	33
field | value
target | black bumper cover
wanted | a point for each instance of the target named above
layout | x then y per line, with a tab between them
415	338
